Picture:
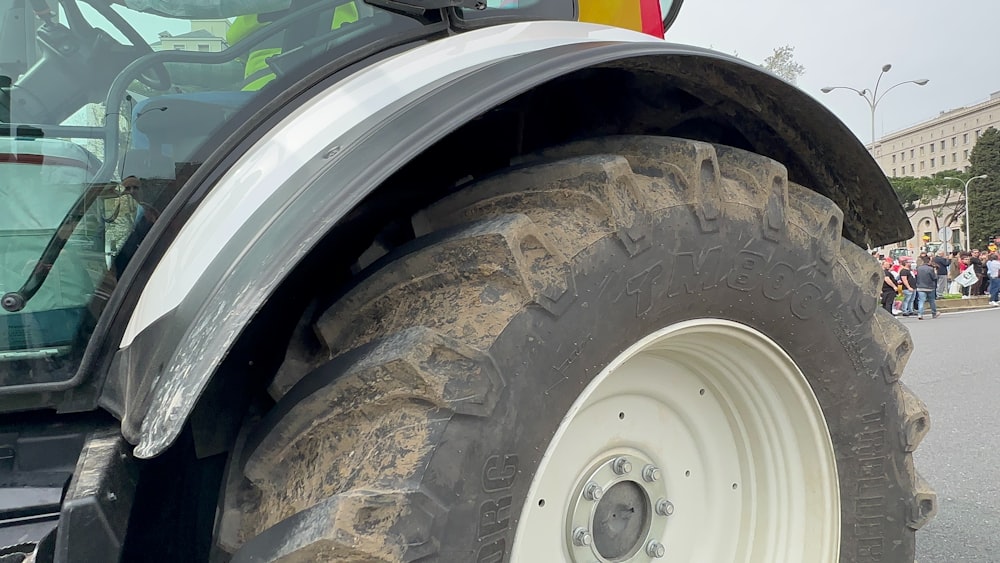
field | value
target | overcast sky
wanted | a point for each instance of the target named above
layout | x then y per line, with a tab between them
955	44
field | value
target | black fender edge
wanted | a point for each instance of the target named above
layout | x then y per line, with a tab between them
156	382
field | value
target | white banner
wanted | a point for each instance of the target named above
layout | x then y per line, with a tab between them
968	277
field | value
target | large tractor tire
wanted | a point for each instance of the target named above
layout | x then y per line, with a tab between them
623	349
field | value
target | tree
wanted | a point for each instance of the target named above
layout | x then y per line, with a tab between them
943	199
782	62
945	196
984	213
909	190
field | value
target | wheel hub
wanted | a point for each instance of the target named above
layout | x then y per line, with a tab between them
619	510
710	416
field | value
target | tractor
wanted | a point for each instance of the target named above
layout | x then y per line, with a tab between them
436	280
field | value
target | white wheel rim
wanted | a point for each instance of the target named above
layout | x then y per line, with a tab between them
743	452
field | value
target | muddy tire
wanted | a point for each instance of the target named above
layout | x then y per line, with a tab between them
670	321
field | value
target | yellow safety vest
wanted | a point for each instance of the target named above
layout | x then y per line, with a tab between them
257	60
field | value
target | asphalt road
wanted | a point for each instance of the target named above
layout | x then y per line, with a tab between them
955	369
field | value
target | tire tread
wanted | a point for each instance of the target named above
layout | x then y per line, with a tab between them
490	250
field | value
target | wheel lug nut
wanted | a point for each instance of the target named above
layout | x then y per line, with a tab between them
621	466
593	491
651	473
655	549
581	537
664	507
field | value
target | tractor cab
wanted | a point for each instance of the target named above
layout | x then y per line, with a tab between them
106	110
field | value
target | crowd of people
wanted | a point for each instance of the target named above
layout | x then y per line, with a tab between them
923	280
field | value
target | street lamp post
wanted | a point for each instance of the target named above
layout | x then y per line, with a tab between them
873	97
968	240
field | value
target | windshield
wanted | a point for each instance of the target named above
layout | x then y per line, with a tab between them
105	110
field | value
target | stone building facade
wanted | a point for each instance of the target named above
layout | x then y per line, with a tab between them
940	144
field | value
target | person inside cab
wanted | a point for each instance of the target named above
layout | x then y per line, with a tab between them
257	73
250	15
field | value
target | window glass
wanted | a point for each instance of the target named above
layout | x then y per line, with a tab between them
95	142
665	11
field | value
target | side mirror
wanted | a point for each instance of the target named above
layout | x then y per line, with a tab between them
669	9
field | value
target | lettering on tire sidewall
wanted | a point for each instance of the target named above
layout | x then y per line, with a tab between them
494	517
804	290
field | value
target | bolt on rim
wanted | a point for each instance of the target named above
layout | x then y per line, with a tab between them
711	440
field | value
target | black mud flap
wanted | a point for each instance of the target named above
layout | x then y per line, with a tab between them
96	508
66	491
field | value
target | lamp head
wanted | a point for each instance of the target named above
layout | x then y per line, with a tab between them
826	89
886	67
982	176
921	82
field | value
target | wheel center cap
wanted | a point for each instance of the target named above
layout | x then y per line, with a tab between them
620	511
621	520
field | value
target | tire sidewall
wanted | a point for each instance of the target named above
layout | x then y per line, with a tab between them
793	292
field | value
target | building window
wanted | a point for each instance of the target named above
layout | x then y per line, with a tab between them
921	151
911	169
942	145
911	153
965	138
893	172
178	47
954	141
954	157
979	133
965	154
932	162
921	165
203	48
932	147
894	159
